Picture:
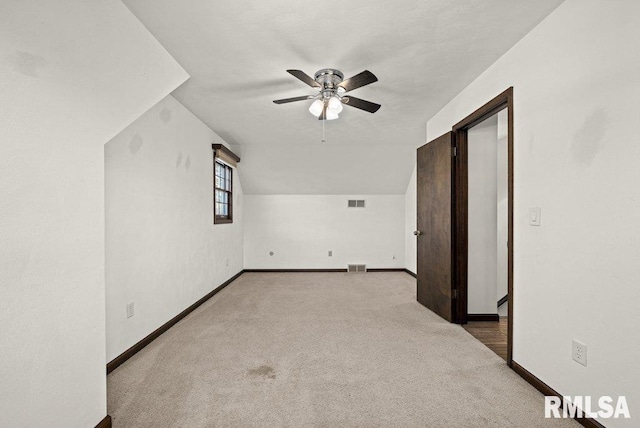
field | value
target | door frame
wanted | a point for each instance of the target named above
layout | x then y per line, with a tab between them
460	211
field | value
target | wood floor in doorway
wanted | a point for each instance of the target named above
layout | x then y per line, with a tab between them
493	334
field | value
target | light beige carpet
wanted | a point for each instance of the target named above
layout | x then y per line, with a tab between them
323	350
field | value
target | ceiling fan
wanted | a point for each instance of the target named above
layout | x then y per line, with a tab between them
331	88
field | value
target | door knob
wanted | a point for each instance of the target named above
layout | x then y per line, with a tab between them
417	232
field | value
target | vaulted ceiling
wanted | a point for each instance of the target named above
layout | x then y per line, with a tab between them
423	52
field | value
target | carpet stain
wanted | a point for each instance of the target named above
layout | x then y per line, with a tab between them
263	371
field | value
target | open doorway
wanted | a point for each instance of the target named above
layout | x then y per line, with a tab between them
487	232
465	223
483	225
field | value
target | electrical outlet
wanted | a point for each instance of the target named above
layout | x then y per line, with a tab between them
330	253
130	310
579	352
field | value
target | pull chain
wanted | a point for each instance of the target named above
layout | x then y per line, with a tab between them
323	121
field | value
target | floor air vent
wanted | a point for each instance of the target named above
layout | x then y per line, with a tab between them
356	268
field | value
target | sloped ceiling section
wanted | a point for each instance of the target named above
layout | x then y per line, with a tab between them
424	52
91	62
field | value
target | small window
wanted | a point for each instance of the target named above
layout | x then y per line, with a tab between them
222	193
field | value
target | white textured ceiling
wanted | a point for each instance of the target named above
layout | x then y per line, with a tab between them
423	52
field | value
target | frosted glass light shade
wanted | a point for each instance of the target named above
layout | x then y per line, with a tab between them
331	114
335	105
316	107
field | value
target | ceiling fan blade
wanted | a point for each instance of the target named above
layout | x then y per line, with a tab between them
304	77
361	104
358	81
290	100
323	115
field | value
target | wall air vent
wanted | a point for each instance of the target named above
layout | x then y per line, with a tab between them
355	203
356	268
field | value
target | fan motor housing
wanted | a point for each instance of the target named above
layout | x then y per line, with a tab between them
329	78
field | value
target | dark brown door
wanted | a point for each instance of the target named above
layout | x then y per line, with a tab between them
434	179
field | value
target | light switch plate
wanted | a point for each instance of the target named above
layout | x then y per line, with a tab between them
534	216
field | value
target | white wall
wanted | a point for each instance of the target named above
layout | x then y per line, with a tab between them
163	251
410	224
72	75
300	230
576	85
337	167
482	231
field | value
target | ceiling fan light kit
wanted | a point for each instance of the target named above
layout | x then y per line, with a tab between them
316	107
334	104
331	86
330	115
